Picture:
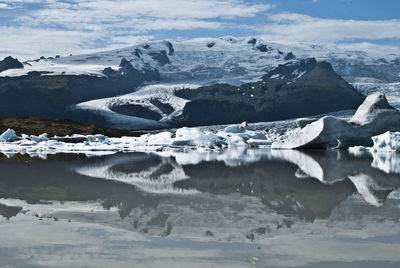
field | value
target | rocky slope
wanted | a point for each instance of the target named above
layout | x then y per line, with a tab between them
49	96
290	90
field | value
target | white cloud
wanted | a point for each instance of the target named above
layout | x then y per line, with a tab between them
298	27
79	26
76	26
28	43
5	6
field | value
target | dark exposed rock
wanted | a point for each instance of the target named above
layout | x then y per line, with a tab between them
10	63
290	56
55	127
291	70
323	71
49	96
109	72
9	212
320	90
164	107
161	57
136	110
211	44
137	53
126	68
252	41
262	48
171	50
211	112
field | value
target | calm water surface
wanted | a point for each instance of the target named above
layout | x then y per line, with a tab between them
237	208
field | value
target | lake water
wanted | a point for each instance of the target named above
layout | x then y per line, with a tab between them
237	208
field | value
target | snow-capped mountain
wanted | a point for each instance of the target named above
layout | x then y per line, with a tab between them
81	82
226	59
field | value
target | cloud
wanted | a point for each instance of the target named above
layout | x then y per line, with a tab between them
299	27
48	27
5	6
76	26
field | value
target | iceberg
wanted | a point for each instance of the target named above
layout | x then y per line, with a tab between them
374	117
195	137
388	141
384	151
184	138
241	136
9	135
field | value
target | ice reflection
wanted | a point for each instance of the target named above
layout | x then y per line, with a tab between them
364	171
290	204
167	192
147	172
374	177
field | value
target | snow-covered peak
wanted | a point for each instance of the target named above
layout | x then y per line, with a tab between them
228	59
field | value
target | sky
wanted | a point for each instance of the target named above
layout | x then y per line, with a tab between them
33	28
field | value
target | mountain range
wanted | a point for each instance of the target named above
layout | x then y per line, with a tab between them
196	82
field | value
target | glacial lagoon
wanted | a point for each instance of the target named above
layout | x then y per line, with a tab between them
233	208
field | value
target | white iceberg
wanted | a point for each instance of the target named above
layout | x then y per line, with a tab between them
9	135
389	141
375	116
240	135
197	138
384	152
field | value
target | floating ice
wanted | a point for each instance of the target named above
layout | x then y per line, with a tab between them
384	152
191	138
389	141
195	137
373	117
9	135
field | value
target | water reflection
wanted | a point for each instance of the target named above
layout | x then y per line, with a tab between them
304	184
238	195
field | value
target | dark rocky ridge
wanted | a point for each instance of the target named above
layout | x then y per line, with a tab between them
10	63
291	70
320	90
49	96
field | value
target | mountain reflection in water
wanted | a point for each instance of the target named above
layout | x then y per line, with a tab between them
235	195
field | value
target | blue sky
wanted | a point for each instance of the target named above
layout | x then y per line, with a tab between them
31	28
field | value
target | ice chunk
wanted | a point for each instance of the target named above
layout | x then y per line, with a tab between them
235	129
195	137
322	133
9	135
96	138
375	116
239	135
163	138
375	106
388	141
40	138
